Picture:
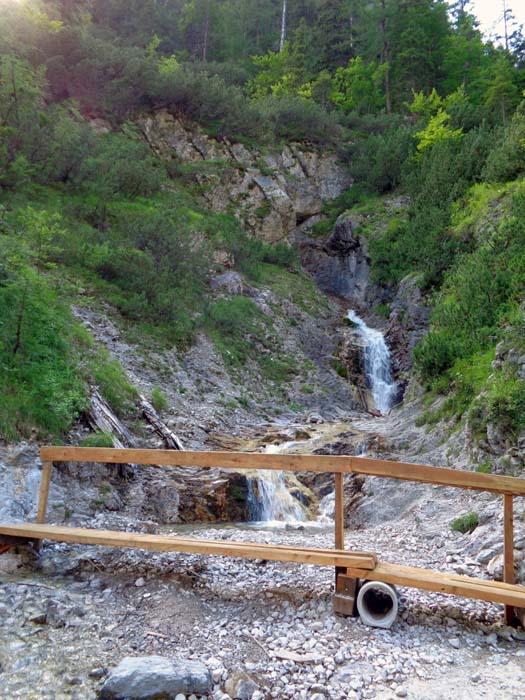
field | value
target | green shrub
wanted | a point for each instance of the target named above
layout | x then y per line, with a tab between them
484	468
221	108
121	165
378	160
40	384
159	400
294	118
233	323
465	523
278	369
507	159
97	440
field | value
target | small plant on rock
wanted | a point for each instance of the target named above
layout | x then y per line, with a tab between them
159	399
465	523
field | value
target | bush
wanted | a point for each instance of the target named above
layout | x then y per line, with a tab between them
121	165
465	523
40	385
507	160
159	400
208	99
378	160
294	118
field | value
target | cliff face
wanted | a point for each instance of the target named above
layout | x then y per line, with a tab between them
272	194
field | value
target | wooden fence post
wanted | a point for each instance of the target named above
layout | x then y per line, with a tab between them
339	511
44	492
508	545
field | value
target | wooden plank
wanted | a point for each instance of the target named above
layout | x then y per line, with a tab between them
438	476
168	543
47	468
425	579
292	462
339	519
508	544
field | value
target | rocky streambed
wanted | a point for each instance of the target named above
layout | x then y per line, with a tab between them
77	611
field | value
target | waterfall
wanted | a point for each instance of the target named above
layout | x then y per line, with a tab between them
269	497
377	365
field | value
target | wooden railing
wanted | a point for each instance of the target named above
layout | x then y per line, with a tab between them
506	486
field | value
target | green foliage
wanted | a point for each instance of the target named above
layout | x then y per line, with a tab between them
424	243
479	304
436	131
465	523
97	440
233	325
121	165
295	118
507	160
378	160
159	400
484	468
209	100
97	367
357	194
40	383
359	87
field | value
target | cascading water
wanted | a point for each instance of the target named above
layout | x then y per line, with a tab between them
269	497
377	365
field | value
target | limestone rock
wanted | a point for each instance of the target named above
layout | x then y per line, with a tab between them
150	677
270	194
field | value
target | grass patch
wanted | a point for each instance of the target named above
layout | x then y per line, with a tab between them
159	400
465	523
97	440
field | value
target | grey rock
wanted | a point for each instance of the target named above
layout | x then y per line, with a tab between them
240	686
270	194
149	677
340	264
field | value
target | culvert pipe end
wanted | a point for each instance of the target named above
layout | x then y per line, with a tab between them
377	604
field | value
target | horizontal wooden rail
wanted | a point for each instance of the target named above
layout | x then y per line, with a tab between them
167	543
453	584
405	471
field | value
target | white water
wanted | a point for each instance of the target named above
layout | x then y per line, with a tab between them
270	499
377	365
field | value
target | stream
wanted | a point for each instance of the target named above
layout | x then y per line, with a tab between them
271	501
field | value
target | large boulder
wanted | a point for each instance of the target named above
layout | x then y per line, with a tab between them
155	678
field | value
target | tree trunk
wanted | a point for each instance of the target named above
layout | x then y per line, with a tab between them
171	441
283	26
20	320
385	57
206	32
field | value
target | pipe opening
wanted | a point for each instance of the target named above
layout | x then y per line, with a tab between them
378	603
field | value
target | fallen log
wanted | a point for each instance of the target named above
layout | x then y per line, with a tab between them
101	418
171	441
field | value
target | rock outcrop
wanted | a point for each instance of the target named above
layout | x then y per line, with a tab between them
340	264
271	194
407	324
